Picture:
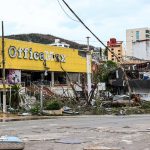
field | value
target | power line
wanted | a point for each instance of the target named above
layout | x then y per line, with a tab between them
107	48
126	78
90	30
66	12
84	24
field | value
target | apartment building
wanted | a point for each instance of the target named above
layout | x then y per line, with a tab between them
138	43
117	48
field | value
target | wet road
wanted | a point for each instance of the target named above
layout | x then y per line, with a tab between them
75	133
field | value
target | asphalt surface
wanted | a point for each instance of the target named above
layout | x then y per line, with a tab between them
76	133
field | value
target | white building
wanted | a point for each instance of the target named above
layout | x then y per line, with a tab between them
141	49
60	44
138	43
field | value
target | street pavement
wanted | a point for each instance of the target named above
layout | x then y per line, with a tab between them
77	132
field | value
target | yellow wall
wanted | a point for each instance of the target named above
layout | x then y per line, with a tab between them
73	62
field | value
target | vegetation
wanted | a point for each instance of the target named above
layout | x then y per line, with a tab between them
16	98
35	110
105	53
45	39
145	105
104	70
53	105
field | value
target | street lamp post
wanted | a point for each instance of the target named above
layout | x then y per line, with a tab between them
3	73
88	66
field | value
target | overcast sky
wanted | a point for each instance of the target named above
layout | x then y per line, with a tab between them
106	18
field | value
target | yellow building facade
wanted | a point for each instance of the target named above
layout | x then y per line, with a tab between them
22	55
39	68
30	62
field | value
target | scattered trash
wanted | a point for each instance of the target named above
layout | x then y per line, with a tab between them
145	96
66	108
25	114
69	111
93	102
120	97
11	143
122	112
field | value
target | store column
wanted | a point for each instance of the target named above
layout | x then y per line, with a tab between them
0	100
52	78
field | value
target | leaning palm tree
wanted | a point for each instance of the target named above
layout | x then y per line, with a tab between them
16	97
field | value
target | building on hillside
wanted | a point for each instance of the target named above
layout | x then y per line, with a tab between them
138	43
60	44
117	48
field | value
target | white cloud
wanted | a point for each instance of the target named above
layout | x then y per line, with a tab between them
106	18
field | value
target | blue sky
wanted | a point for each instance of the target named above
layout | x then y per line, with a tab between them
106	18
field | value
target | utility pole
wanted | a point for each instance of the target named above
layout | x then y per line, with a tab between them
3	73
88	67
126	78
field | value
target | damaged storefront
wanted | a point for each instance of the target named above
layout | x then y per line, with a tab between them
29	64
138	77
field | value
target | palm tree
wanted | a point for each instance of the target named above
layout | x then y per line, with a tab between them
16	97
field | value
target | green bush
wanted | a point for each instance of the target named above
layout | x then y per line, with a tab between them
35	110
98	111
54	105
146	105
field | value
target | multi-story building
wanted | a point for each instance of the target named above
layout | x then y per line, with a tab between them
138	43
117	48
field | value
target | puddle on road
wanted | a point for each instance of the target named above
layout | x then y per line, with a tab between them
71	141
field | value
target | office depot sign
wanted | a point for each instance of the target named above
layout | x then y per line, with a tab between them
27	53
29	56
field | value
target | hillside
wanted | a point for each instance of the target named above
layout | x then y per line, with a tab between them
44	39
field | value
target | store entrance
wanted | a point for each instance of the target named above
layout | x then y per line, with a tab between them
36	77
